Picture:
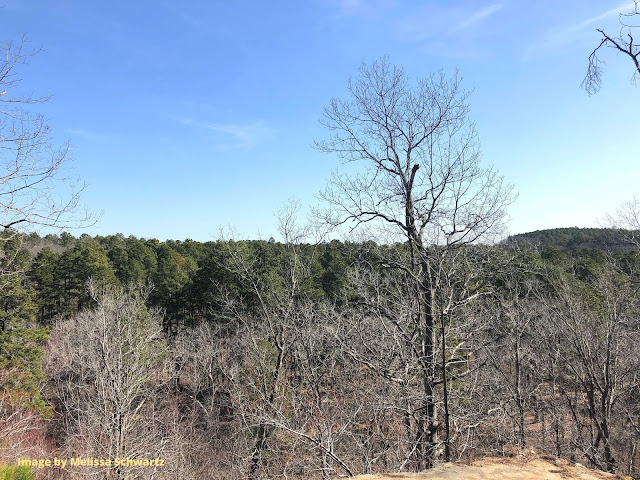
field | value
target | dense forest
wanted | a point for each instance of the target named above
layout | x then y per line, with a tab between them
236	359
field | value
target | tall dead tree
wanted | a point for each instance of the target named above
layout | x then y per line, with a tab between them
419	180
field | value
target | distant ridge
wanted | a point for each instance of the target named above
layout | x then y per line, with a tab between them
607	239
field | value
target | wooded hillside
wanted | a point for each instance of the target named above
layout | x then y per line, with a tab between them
607	239
236	359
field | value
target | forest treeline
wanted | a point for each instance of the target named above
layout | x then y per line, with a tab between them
608	239
261	359
188	280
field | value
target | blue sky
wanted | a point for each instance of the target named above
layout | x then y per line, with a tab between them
185	117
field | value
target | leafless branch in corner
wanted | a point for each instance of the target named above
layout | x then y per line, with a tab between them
623	43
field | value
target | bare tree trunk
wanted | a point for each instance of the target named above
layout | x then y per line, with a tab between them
445	391
519	399
264	429
427	425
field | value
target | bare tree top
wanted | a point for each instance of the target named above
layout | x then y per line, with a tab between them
419	158
35	191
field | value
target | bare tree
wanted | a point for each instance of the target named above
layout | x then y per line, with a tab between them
627	220
514	346
382	335
270	343
624	43
597	337
104	365
34	189
199	408
420	181
23	430
311	418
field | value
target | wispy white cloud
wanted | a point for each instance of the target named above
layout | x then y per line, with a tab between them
183	14
231	135
427	22
446	31
348	5
435	22
360	8
614	12
86	134
562	37
478	16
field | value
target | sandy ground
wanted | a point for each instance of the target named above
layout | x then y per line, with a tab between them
523	467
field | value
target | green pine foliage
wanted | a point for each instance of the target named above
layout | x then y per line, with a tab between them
607	239
20	341
14	472
21	367
194	281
